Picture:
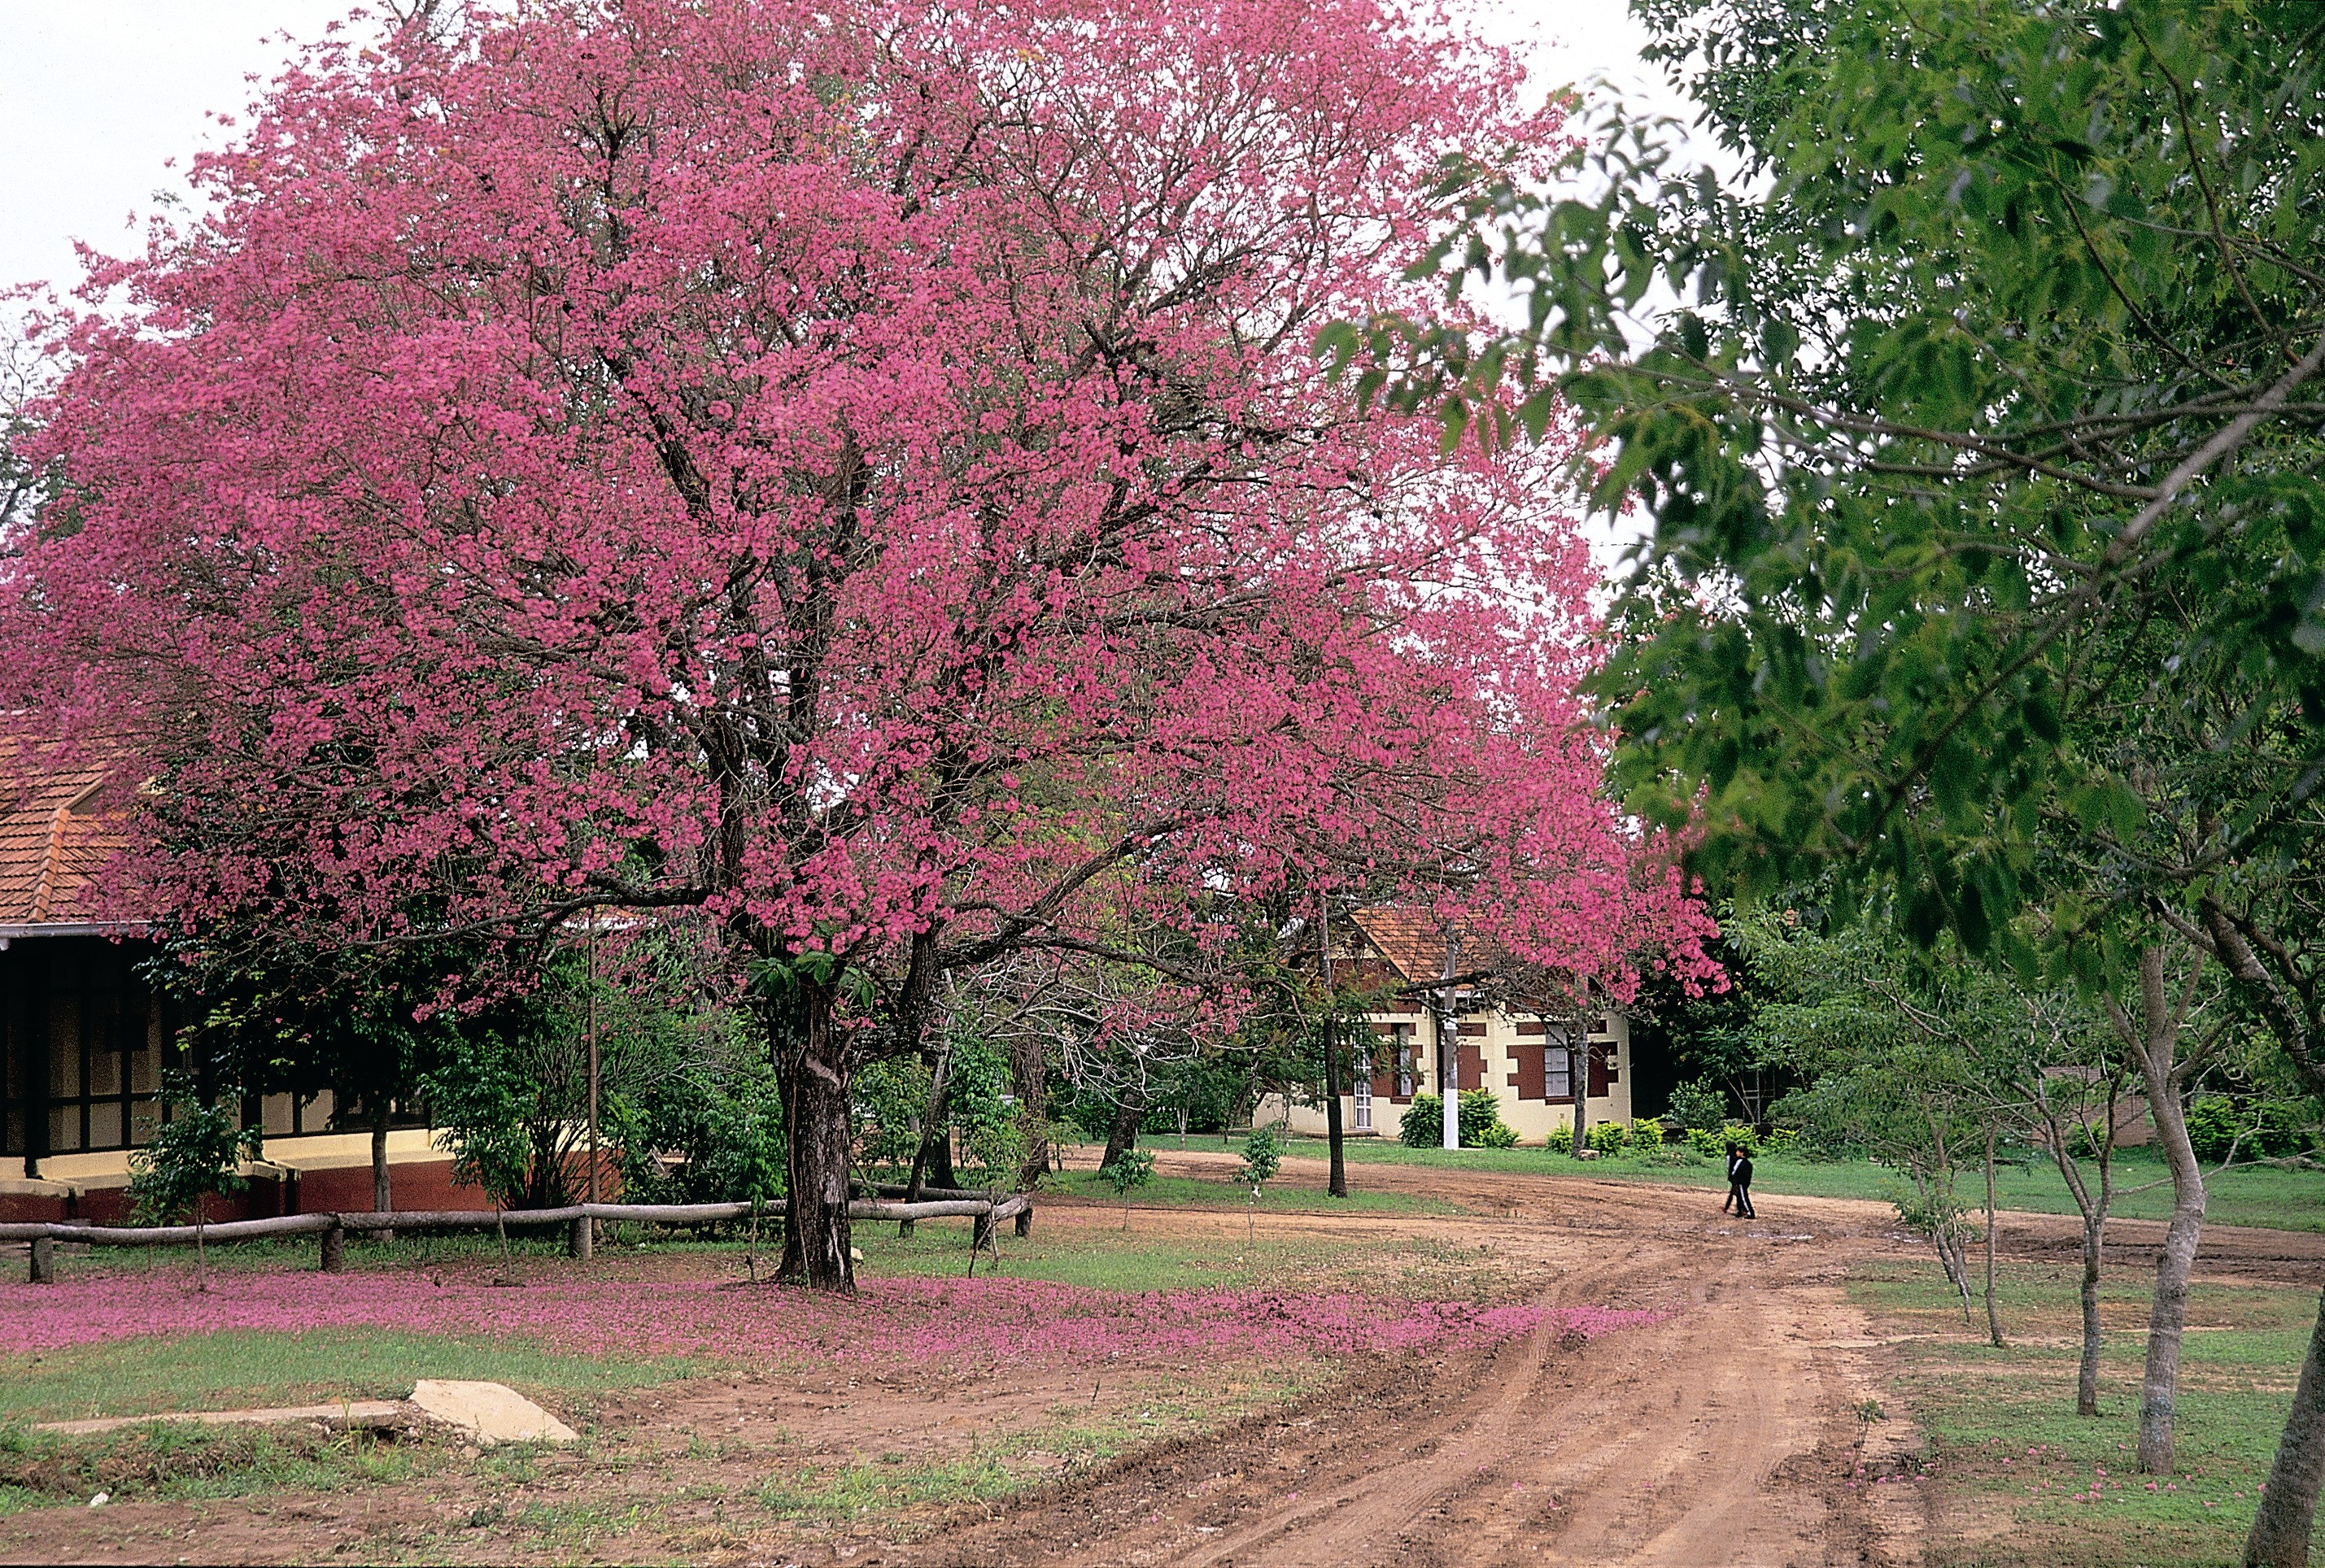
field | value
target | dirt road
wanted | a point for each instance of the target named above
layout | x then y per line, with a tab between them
1720	1435
1722	1432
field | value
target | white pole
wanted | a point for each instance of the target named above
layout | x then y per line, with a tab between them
1448	1048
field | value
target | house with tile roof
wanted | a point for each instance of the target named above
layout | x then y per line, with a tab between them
1532	1053
84	1039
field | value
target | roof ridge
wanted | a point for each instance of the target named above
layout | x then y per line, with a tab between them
45	889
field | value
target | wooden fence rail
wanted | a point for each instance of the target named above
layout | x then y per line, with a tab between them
987	1210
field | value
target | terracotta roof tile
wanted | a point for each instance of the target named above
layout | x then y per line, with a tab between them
1408	938
51	844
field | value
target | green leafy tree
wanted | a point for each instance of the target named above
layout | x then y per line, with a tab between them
196	1152
1980	442
1128	1172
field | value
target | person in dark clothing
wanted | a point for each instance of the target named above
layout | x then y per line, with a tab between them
1727	1204
1739	1178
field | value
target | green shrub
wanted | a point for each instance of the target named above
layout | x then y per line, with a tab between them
1608	1138
1699	1106
1712	1143
708	1132
1480	1123
1132	1168
2271	1129
1262	1157
890	1099
1480	1114
1562	1137
1648	1135
1423	1125
196	1153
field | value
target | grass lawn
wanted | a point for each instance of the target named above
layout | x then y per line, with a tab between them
1278	1196
2028	1480
2268	1196
150	1372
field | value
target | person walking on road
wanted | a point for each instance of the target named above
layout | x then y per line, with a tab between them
1727	1204
1739	1181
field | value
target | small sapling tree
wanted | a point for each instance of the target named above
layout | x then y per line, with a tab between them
1262	1157
1131	1170
195	1152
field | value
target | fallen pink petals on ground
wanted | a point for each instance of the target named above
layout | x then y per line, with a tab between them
910	1320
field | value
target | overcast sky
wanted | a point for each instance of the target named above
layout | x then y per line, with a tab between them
98	95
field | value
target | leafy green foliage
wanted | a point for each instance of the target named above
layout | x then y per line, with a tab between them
1608	1138
1981	444
486	1110
2219	1128
706	1132
1699	1106
1132	1168
195	1153
1262	1157
1479	1117
978	1102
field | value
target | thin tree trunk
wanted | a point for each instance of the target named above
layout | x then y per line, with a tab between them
2154	1040
1578	1078
1993	1321
1337	1184
201	1255
2282	1525
935	1117
382	1199
816	1239
2288	1509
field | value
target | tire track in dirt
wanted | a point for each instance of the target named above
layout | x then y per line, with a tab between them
1716	1436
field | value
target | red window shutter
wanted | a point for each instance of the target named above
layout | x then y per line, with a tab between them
1530	1071
1600	1076
1473	1066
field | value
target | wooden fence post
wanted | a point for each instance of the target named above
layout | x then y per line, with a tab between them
980	1240
1026	1220
335	1250
581	1238
44	1260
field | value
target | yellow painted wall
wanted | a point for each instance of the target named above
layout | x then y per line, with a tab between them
1533	1119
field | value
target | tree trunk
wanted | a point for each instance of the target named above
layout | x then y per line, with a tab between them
2155	1041
1993	1320
932	1121
2093	1208
816	1238
1578	1078
382	1199
1028	1075
1337	1185
2288	1509
1122	1137
936	1140
2087	1372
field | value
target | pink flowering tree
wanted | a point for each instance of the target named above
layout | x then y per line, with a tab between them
858	474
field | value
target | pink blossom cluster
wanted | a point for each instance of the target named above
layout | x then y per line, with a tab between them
913	1321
